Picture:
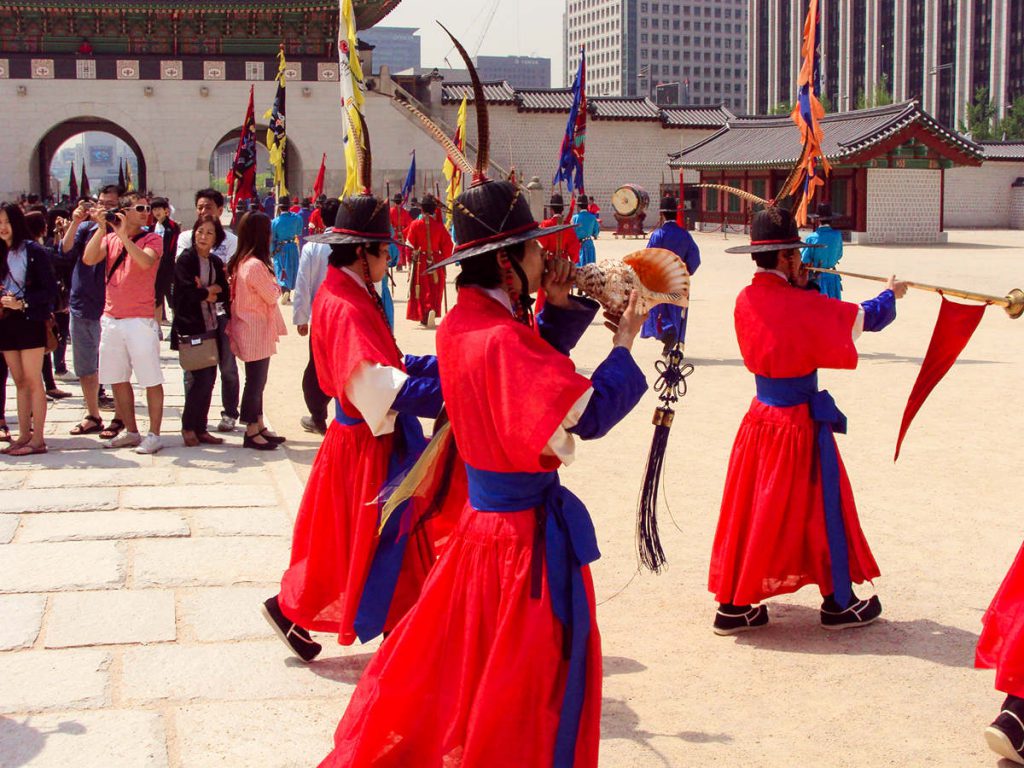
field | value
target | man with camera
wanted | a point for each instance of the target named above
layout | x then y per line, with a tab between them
88	293
130	337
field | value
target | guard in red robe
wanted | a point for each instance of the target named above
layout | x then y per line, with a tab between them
788	517
563	243
430	244
400	219
499	663
345	577
1001	647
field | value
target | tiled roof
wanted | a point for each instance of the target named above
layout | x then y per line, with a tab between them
623	108
495	91
544	99
763	142
696	117
1003	150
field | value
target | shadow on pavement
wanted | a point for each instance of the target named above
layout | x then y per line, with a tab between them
20	742
796	629
619	721
620	665
340	669
889	357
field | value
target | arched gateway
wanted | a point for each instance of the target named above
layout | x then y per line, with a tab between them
42	156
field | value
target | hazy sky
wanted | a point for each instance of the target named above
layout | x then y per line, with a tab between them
519	27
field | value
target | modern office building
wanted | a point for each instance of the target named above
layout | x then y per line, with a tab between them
397	48
937	51
641	48
517	71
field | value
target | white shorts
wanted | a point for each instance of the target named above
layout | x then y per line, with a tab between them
130	344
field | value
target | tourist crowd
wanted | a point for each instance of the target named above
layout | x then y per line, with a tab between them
104	275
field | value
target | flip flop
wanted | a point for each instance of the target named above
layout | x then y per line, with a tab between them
113	429
26	450
97	426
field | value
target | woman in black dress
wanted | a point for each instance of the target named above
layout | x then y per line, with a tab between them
28	291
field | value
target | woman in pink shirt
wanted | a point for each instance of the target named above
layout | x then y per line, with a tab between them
256	322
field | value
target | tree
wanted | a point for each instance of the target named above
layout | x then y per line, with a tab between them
1011	127
825	102
782	108
879	96
980	117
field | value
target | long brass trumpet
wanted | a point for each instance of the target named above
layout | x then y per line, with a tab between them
1013	302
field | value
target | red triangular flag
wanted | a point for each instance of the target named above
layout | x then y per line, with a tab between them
318	185
953	330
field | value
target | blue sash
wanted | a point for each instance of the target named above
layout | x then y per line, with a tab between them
785	393
379	589
570	543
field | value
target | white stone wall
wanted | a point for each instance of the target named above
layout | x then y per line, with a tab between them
979	197
1016	208
177	129
903	206
617	152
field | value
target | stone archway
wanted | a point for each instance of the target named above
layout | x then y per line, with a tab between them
46	148
293	158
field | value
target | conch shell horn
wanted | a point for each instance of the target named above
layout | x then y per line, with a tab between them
659	276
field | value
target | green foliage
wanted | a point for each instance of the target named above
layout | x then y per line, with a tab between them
782	108
880	95
1012	124
825	102
980	117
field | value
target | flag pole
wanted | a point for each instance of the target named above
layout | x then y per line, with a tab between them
1013	302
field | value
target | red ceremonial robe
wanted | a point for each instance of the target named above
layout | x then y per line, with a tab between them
565	242
474	675
1001	645
430	243
335	534
400	220
771	530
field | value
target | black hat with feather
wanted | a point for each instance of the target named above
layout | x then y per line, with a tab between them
490	215
362	218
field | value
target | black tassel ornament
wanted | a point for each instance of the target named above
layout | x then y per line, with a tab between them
670	386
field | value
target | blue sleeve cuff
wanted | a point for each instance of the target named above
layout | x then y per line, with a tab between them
618	384
422	365
419	396
879	311
563	327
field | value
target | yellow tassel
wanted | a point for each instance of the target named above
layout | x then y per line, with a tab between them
425	467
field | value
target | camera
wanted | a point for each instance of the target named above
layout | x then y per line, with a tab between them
111	215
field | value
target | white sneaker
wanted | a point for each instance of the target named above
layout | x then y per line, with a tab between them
227	424
124	440
150	445
66	376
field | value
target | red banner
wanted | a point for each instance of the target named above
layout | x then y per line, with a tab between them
953	329
318	185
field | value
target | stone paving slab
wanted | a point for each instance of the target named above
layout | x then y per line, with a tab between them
86	457
69	565
22	618
214	561
8	526
218	614
100	478
251	521
110	618
45	500
198	496
37	681
111	739
270	734
250	475
9	480
233	672
116	524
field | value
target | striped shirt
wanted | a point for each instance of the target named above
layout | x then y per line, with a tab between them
256	321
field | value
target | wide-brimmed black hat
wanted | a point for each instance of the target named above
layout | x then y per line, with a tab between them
556	202
284	201
582	201
824	212
668	205
490	216
397	198
772	229
360	219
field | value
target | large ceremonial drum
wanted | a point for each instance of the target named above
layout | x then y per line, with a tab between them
630	200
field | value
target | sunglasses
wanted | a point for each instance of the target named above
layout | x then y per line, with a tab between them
141	208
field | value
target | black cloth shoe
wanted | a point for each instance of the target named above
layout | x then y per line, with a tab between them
294	636
730	619
1005	736
859	614
249	441
275	439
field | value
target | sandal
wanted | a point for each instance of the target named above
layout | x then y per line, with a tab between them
84	429
5	433
26	449
113	429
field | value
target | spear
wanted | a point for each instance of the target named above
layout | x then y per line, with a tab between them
1013	302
